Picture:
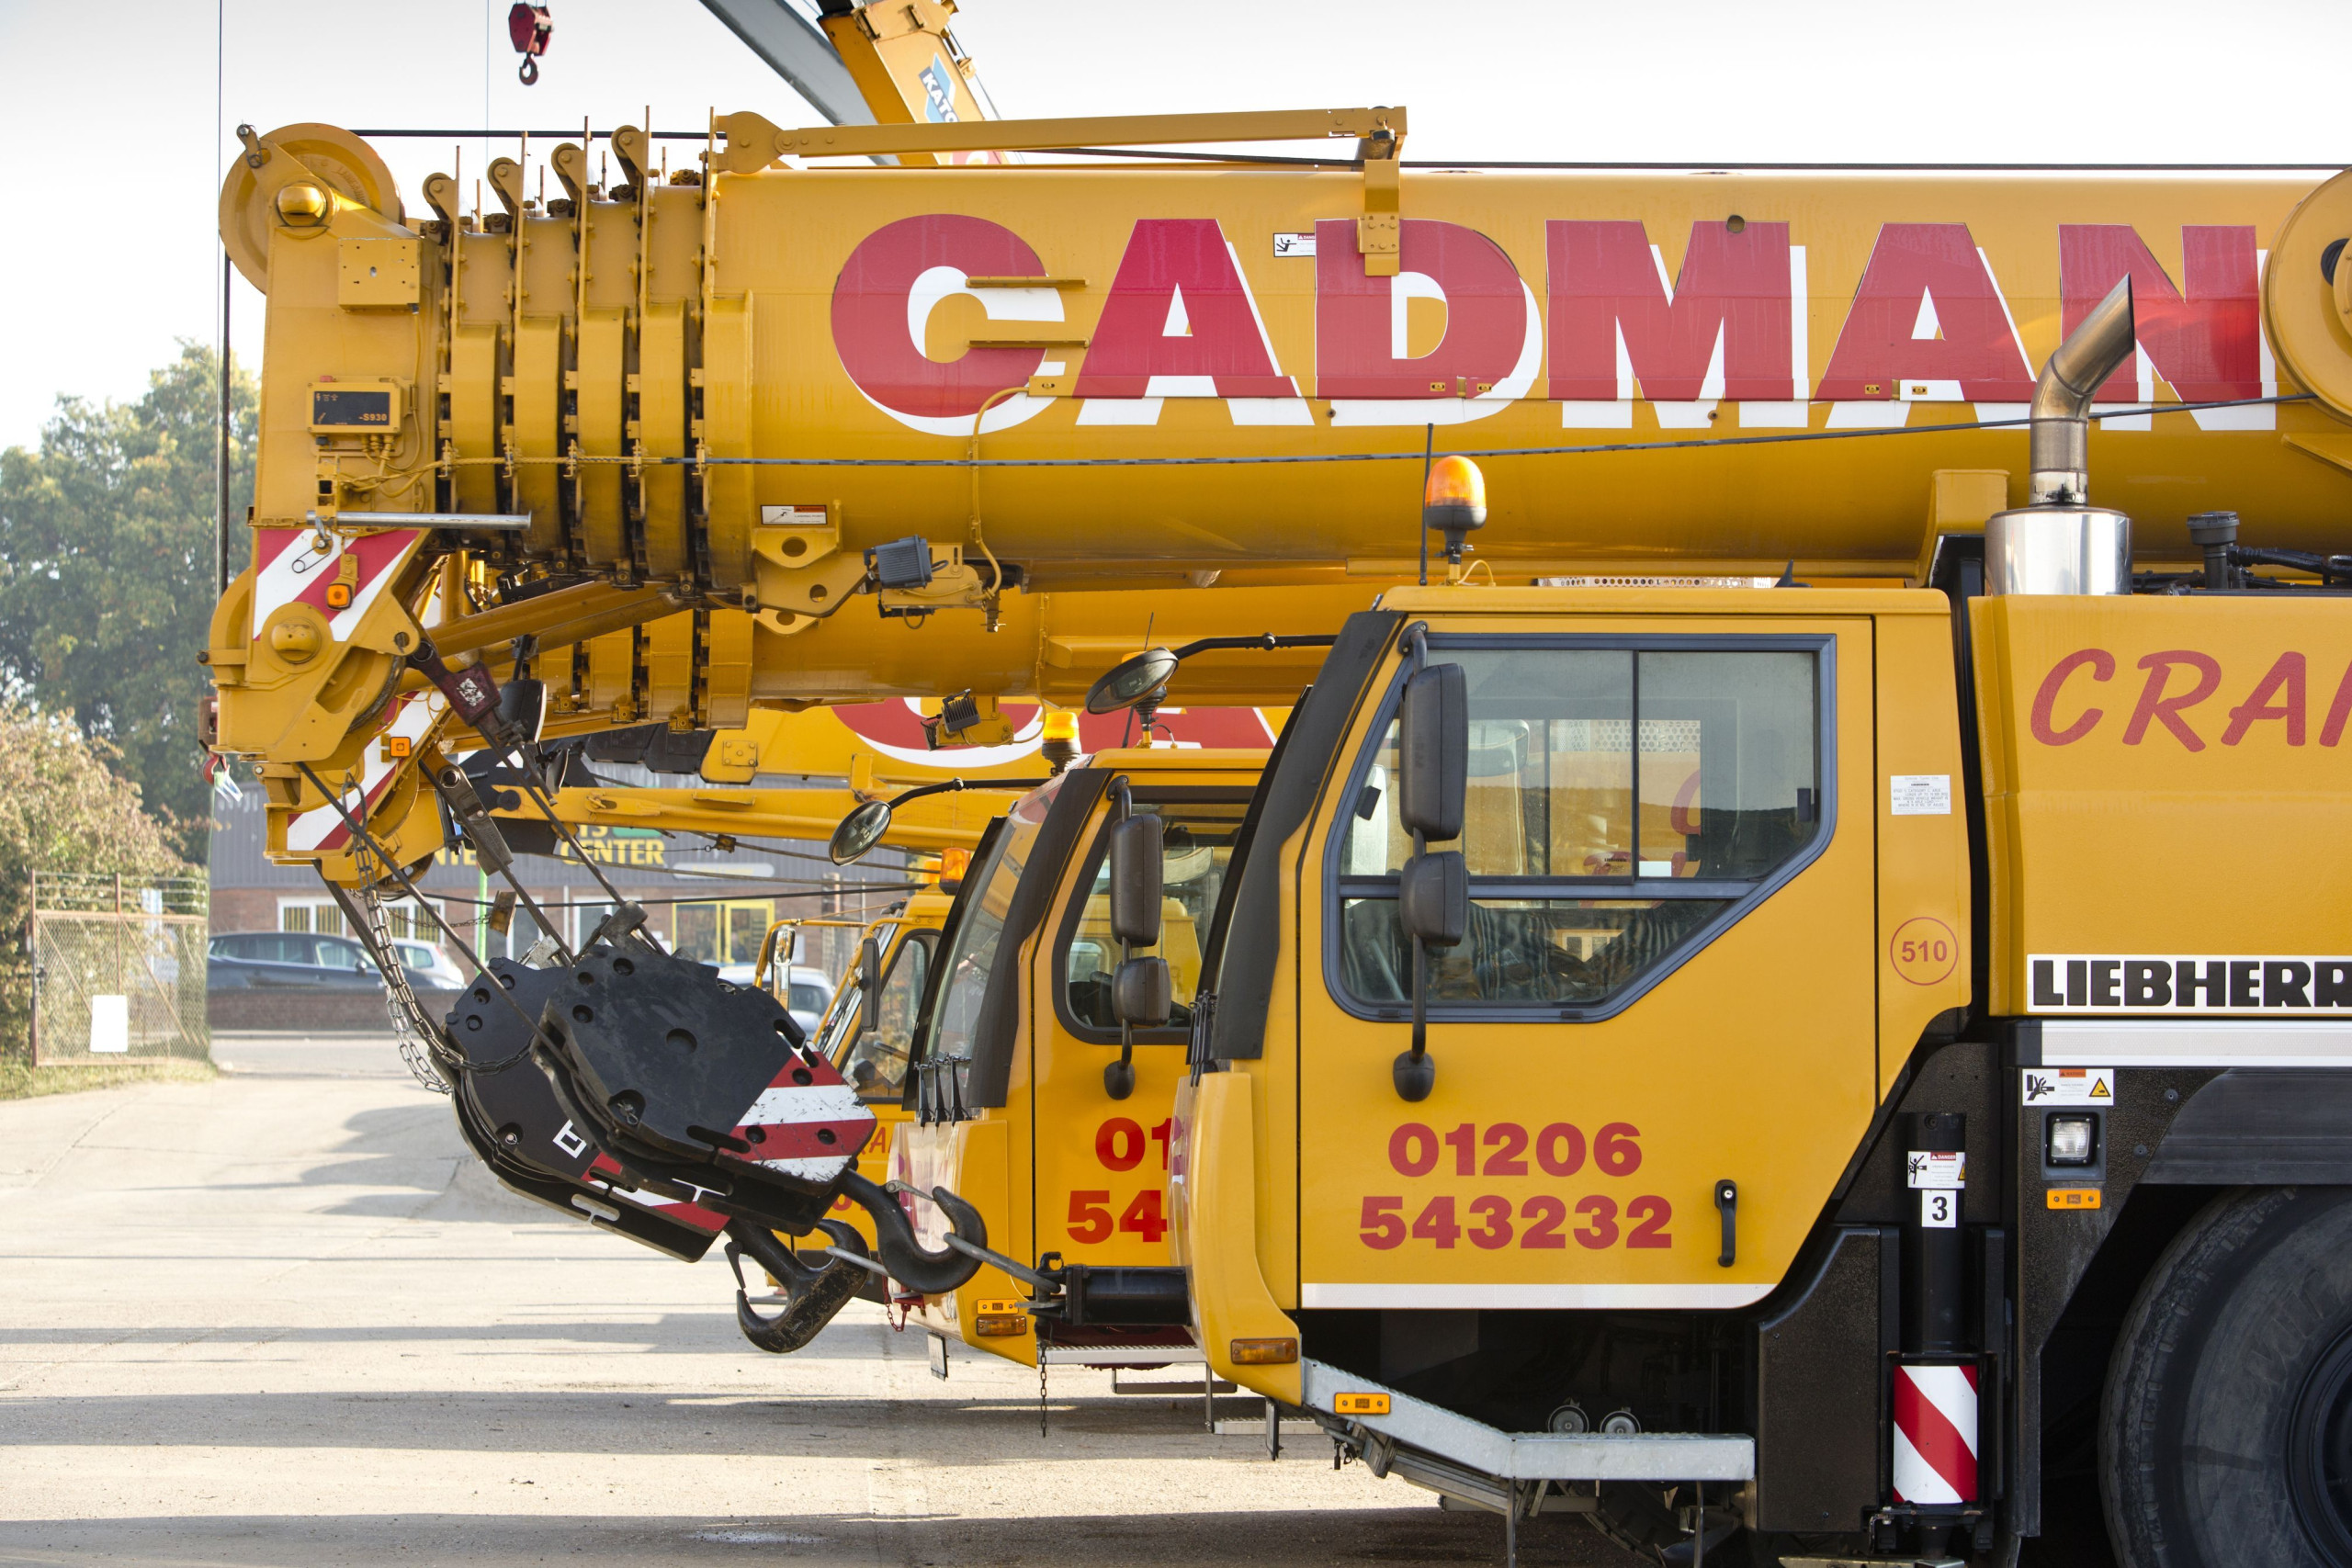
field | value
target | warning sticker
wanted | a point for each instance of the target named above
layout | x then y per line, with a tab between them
1932	1169
2069	1086
1920	795
1294	245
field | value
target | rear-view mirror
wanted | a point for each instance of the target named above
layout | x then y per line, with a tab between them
1434	898
1434	752
859	832
1141	992
869	986
1137	848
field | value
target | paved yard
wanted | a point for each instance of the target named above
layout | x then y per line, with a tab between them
284	1318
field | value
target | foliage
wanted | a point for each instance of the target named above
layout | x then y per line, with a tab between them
107	573
60	809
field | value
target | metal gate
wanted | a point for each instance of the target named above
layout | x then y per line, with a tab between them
118	966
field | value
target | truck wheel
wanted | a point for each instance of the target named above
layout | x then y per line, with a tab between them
2227	1433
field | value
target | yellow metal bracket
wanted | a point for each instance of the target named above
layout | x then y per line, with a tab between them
753	141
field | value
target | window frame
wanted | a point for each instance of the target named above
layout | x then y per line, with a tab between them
1739	897
1089	864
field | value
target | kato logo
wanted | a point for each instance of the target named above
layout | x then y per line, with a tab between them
2086	982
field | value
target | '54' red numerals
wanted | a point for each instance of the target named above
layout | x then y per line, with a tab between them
1543	1221
1120	1144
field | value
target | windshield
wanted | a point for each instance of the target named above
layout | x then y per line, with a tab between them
972	947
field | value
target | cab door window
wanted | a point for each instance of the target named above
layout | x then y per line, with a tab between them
876	1065
1625	802
1199	838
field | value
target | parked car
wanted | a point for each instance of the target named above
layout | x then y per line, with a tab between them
807	991
289	961
428	966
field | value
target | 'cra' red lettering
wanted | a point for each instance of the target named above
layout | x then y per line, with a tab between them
2102	665
885	292
2155	706
1178	307
1926	310
1731	299
2207	345
1493	336
2285	683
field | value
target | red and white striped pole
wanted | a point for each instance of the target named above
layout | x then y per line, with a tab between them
1933	1437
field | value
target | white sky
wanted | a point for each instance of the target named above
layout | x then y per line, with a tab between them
113	254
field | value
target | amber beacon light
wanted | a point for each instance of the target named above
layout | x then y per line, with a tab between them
1455	503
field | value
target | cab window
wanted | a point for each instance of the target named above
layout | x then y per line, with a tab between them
876	1065
970	954
1199	838
1624	803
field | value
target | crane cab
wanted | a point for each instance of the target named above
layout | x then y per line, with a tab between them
1692	942
1015	1102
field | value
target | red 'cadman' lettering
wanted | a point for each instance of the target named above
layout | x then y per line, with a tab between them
1486	314
1179	273
871	330
2339	711
1886	340
1731	296
2207	345
2155	704
2101	665
2285	678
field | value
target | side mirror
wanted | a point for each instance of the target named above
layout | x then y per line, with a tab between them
1131	682
1433	898
869	986
1141	992
1434	752
859	832
1139	846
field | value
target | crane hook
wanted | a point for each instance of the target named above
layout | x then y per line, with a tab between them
529	29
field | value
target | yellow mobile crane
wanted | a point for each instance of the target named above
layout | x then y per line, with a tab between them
1049	1051
1831	1016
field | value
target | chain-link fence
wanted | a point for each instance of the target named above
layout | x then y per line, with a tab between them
117	966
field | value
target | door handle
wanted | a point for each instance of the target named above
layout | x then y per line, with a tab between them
1727	1205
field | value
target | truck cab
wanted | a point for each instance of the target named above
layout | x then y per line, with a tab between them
1017	1096
868	1046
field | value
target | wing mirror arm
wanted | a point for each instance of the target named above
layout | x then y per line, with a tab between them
1434	889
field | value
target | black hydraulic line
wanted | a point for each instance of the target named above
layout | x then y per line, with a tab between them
1788	438
481	970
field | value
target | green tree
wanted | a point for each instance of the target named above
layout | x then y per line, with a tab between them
62	809
107	573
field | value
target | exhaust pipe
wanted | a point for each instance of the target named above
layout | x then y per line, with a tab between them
2058	542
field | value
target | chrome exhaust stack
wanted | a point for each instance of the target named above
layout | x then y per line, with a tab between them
2058	542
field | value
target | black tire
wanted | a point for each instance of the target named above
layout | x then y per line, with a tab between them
2226	1436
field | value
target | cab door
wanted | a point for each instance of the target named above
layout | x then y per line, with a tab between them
1103	1164
1666	982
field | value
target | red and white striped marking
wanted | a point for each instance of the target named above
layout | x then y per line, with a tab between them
1935	1434
811	1129
602	1173
291	568
320	829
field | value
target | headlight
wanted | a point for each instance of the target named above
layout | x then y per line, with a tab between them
2073	1140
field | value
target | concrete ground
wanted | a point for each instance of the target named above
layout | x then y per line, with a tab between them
285	1318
